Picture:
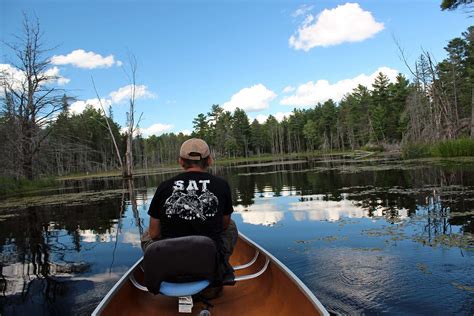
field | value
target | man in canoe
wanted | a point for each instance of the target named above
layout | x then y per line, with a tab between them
194	203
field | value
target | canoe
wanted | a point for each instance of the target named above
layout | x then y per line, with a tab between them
264	286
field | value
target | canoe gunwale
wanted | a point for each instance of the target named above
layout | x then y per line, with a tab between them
306	291
269	258
103	303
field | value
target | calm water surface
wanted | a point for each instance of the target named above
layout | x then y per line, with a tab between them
365	237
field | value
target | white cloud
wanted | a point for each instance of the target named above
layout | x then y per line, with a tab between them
186	132
118	96
82	59
261	118
311	93
254	98
345	23
79	106
289	89
302	10
155	129
54	73
16	77
124	93
12	76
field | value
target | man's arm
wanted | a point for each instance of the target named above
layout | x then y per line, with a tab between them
225	221
155	228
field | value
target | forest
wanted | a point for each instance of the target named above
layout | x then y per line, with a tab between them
40	137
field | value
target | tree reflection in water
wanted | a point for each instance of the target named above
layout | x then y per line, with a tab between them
41	249
61	258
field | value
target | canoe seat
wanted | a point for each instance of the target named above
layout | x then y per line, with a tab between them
181	260
182	289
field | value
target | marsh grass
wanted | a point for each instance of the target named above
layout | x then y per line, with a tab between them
9	185
462	147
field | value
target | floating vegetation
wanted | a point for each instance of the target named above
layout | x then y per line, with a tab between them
368	249
463	287
59	199
272	163
333	238
304	241
423	268
388	231
381	167
74	267
345	221
330	238
461	214
465	241
258	173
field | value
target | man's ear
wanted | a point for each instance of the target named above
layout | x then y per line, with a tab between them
210	161
181	162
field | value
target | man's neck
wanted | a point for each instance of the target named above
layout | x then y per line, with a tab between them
194	169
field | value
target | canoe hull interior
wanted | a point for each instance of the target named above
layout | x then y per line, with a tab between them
275	292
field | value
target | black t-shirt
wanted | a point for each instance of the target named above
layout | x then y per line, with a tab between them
192	203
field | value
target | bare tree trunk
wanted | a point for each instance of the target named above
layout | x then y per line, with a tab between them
128	172
472	110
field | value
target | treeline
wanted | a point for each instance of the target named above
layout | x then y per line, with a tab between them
363	118
436	105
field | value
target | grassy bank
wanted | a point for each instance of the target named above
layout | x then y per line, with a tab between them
219	161
9	185
463	147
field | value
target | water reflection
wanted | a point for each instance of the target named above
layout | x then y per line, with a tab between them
62	255
266	214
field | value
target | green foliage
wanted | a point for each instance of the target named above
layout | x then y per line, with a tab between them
373	147
241	132
82	142
453	4
463	147
10	185
416	150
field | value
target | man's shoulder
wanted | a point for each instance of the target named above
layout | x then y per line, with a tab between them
217	179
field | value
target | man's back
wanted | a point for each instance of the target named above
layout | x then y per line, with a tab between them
192	203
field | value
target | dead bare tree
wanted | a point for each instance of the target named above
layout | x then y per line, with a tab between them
131	127
126	163
31	97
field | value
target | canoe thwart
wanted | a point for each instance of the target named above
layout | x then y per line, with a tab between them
136	284
248	264
253	275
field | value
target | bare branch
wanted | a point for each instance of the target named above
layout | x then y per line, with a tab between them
108	124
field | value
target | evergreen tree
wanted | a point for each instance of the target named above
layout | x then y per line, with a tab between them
241	131
257	137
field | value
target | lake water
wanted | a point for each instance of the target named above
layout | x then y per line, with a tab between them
366	237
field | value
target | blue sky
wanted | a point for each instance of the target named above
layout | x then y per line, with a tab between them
266	57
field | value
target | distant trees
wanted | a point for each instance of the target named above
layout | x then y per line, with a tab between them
38	134
82	143
441	105
363	116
